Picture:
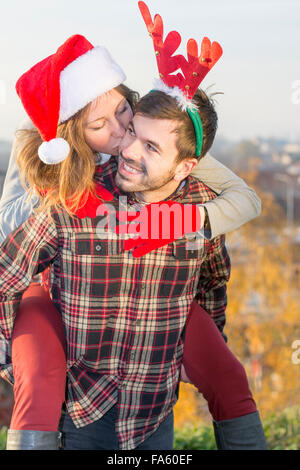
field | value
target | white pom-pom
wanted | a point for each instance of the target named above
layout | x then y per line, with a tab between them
183	102
54	151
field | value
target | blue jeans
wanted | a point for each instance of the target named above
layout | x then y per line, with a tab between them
101	435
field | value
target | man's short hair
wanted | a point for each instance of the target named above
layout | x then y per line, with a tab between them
159	105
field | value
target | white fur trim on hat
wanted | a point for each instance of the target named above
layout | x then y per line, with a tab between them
175	92
86	78
54	151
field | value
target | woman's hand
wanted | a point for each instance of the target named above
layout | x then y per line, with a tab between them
158	224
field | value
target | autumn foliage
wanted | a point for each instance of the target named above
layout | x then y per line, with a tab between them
263	312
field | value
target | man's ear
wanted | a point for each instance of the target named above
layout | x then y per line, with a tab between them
184	168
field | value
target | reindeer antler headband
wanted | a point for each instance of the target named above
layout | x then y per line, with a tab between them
181	86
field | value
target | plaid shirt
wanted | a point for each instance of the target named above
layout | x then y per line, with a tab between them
124	317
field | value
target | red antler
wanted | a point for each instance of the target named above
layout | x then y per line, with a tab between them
163	49
194	69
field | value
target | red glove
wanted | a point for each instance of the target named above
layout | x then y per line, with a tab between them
155	228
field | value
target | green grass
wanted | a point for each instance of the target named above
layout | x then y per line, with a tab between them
282	433
3	438
194	438
282	430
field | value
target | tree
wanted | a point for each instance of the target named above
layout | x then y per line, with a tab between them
263	308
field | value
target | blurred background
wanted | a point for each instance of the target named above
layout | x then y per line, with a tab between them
258	138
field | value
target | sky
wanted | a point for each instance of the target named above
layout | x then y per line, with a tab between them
258	74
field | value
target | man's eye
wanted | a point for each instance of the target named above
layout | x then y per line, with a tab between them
130	130
151	148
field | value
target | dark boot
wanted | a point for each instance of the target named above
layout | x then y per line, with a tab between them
32	440
242	433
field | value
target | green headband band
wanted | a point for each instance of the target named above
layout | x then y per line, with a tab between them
198	129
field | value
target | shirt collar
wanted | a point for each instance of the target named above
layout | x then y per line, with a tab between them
101	158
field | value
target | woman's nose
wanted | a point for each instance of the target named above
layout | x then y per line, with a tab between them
118	130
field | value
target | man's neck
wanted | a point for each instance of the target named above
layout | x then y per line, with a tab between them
147	197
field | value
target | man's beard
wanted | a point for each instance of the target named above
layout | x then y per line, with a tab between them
149	185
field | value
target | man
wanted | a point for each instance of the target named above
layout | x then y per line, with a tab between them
150	305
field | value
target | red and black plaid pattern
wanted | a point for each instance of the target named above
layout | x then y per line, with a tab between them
124	317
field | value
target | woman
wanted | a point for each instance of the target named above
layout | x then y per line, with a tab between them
93	129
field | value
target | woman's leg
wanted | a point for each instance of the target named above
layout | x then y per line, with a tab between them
220	377
39	367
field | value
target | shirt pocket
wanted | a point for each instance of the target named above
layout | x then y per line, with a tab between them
182	267
88	244
189	249
99	262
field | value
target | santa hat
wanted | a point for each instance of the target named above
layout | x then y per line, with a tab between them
59	86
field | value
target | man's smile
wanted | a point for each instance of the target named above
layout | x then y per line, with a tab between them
127	170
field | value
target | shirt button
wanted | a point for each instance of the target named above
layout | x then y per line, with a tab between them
143	286
138	322
132	355
123	385
98	247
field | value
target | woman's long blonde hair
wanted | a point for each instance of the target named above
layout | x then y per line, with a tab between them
66	184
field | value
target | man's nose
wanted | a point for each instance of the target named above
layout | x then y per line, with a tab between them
131	149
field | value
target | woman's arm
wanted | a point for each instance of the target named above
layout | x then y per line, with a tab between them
236	203
27	251
14	209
